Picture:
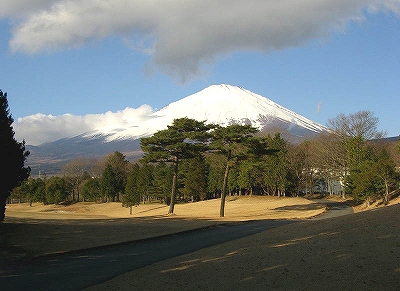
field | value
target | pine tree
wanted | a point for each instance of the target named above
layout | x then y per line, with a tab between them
120	168
229	141
185	138
91	190
12	155
196	179
108	184
131	196
56	190
145	180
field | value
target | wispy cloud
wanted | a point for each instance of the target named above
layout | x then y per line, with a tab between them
39	128
318	108
181	36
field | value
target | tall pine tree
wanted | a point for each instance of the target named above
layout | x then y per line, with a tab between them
185	138
12	155
131	197
230	142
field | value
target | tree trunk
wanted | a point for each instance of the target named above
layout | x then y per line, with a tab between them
386	197
130	210
367	202
223	194
344	185
2	207
174	185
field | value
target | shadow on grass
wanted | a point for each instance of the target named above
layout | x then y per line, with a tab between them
301	207
29	237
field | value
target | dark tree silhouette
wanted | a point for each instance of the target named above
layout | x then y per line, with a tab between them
12	155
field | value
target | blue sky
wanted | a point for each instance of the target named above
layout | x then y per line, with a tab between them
77	58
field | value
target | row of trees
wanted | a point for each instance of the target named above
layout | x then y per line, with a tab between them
185	141
193	161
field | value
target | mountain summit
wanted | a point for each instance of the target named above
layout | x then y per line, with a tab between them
226	104
223	105
218	104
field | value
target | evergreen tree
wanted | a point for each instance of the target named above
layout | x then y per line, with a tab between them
108	184
216	166
276	166
360	160
37	190
12	155
195	179
230	142
251	176
363	183
386	172
56	190
162	181
145	180
185	138
131	197
120	168
91	190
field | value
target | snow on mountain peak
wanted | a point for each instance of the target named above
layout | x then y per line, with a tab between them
225	104
220	104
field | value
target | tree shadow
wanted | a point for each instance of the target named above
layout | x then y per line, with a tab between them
301	207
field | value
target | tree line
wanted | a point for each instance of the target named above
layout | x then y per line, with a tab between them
192	161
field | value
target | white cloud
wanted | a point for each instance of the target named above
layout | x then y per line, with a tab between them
39	128
182	36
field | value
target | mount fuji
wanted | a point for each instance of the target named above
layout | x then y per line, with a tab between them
218	104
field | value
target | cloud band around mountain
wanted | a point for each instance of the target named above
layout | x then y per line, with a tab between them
39	128
180	35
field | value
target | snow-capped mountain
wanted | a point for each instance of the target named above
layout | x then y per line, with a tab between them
218	104
226	104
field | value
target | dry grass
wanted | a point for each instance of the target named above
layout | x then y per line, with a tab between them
43	229
237	208
353	252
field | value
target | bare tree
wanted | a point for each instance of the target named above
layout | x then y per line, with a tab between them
329	156
74	171
360	124
350	134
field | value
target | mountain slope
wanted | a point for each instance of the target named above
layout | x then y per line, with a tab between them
224	105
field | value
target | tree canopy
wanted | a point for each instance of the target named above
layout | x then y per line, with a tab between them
363	124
